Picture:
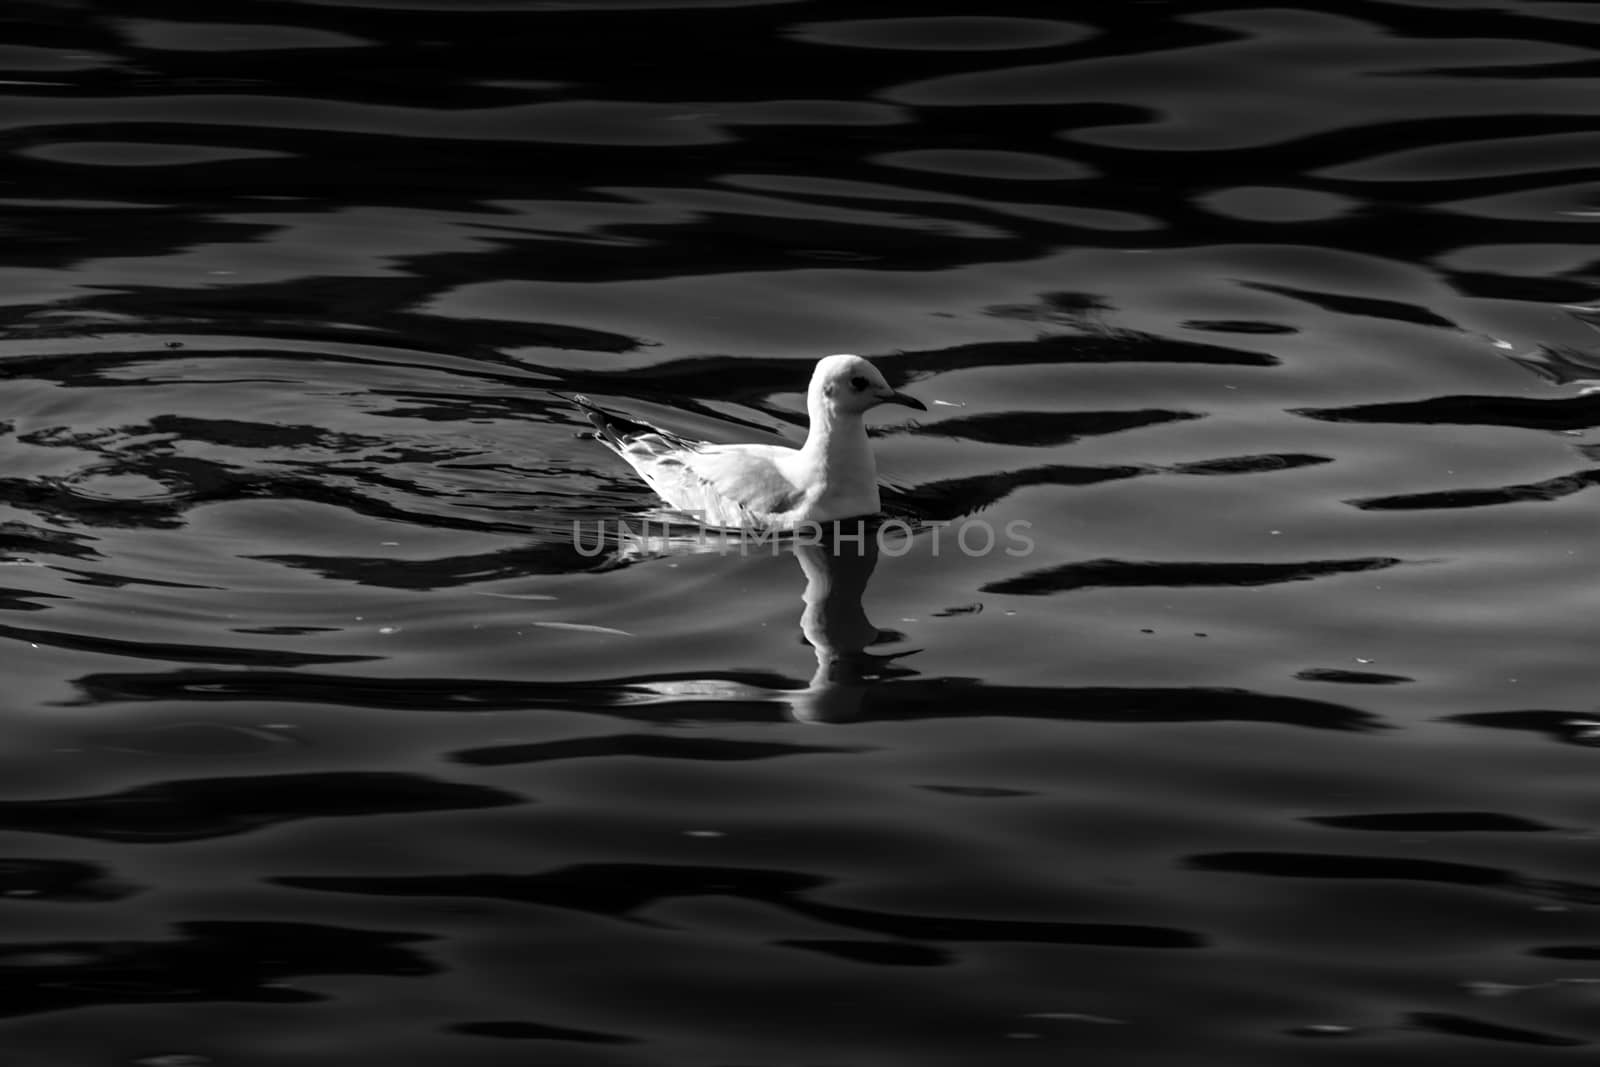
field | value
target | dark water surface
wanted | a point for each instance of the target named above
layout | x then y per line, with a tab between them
324	744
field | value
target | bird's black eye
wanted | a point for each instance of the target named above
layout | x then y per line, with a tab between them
858	382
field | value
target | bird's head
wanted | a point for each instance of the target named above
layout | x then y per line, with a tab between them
850	385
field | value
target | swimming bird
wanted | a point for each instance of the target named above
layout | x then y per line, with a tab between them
771	487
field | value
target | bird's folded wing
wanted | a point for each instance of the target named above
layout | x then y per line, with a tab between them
744	478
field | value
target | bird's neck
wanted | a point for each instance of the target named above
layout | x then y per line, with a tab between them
837	442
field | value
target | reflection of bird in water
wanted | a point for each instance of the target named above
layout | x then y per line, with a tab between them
832	476
835	623
837	560
851	684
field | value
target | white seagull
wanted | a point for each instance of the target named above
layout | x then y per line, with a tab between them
832	476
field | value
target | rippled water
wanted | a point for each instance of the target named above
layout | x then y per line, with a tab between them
326	743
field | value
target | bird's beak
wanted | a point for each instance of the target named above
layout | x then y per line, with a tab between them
902	398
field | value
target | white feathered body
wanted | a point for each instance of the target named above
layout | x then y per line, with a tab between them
752	486
767	486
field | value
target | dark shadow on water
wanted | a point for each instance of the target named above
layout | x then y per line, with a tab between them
60	880
211	961
200	808
1570	727
110	646
1061	308
553	554
1393	868
1433	822
1555	413
1483	1029
649	746
751	697
1551	489
621	890
25	540
1568	952
1564	364
1259	464
1346	304
1047	429
334	310
25	600
522	1030
876	953
1340	676
193	481
1246	326
1116	573
953	498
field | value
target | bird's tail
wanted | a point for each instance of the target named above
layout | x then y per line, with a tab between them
610	428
